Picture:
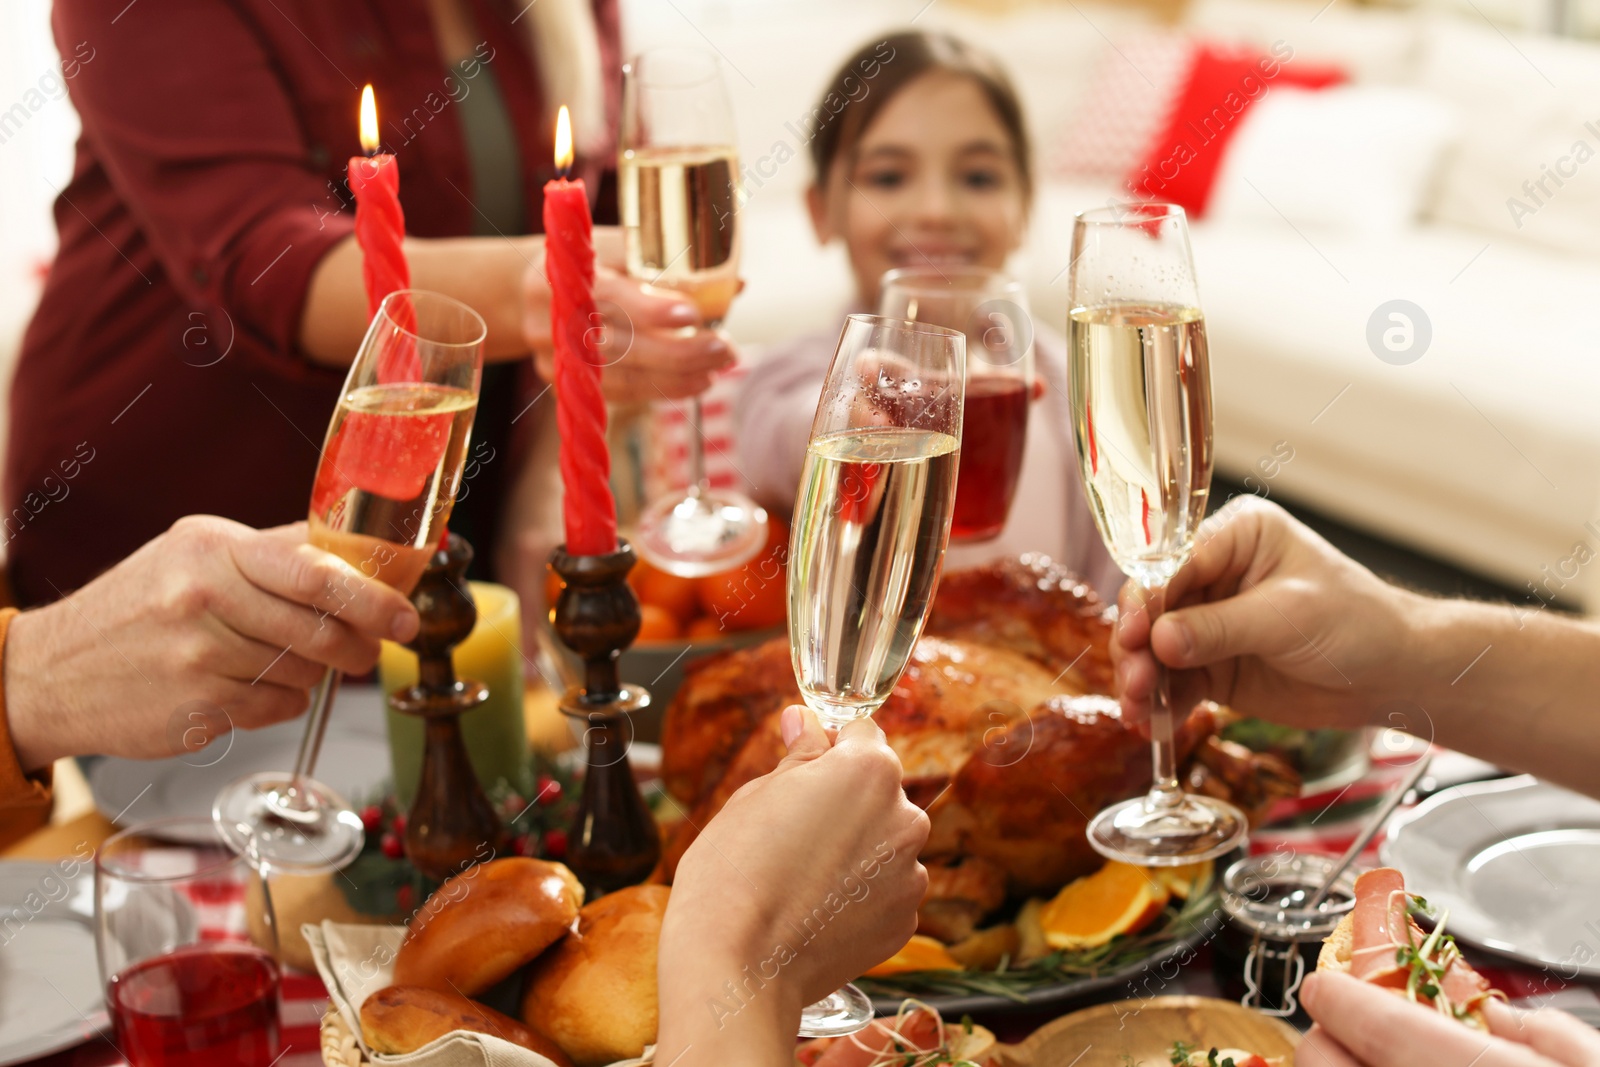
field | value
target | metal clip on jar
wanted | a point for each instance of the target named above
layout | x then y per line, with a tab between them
1271	936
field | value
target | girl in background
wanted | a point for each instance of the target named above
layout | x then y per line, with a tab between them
930	167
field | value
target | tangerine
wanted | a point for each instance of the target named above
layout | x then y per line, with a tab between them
921	953
703	628
668	591
1119	898
755	595
656	623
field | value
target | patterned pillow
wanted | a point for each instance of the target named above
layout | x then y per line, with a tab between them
1132	92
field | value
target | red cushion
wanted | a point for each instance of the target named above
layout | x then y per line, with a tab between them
1181	165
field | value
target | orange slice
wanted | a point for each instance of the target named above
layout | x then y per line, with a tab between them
921	953
1183	880
1117	899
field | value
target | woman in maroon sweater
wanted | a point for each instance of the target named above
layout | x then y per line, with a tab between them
197	322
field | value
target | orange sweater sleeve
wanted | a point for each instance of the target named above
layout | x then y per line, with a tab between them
24	798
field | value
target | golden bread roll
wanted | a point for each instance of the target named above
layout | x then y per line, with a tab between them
486	922
398	1019
595	991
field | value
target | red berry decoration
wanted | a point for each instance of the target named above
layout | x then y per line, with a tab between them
392	848
555	844
399	825
519	846
513	804
402	900
372	818
549	790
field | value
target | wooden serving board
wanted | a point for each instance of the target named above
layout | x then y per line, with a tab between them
1142	1032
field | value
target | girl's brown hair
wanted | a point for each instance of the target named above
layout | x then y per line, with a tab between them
878	70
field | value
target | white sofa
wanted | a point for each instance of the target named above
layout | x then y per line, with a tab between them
1484	452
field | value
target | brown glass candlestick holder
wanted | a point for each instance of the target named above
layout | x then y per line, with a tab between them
451	825
613	840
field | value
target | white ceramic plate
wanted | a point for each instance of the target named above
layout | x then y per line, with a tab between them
49	981
354	762
1517	863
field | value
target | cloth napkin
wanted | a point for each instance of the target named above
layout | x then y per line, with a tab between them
356	961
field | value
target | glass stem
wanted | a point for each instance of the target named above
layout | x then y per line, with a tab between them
698	482
1164	790
311	741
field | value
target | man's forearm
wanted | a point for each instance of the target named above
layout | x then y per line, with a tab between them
483	272
1516	687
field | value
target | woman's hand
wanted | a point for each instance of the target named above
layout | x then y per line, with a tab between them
805	879
1360	1025
649	338
212	626
1270	619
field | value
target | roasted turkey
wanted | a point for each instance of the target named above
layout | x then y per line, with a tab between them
1003	723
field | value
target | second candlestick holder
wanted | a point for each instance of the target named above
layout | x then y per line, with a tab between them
613	840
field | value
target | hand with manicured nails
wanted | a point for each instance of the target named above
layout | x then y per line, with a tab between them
235	622
651	342
1361	1025
805	879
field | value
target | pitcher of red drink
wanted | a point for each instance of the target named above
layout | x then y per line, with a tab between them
992	310
188	948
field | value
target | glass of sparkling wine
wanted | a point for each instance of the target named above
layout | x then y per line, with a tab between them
391	464
871	523
992	310
1140	384
678	176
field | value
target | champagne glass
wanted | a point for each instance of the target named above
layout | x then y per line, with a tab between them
1140	385
871	523
992	310
678	178
187	947
391	465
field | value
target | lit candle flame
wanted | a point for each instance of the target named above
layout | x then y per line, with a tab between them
563	141
369	121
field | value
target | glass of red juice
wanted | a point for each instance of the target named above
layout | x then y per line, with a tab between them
992	310
188	948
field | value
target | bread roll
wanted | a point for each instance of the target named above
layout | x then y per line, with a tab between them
398	1019
1335	952
486	922
595	991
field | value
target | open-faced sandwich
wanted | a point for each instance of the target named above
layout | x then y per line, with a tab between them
1380	942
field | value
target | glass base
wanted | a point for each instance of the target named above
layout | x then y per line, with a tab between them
1149	834
261	817
701	532
837	1014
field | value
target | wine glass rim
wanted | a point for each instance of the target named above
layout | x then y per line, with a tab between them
1131	214
999	280
883	322
431	295
105	858
714	70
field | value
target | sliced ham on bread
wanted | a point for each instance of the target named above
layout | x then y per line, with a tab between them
1379	942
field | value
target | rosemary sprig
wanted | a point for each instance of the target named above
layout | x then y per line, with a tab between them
1015	981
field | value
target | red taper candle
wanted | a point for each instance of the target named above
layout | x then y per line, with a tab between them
588	508
381	232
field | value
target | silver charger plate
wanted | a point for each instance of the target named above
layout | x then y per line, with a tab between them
1517	863
354	762
50	995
